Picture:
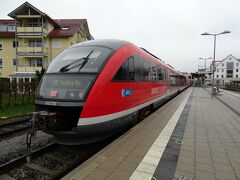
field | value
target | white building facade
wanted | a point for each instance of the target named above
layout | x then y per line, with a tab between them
228	70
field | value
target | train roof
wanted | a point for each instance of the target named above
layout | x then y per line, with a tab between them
116	44
110	43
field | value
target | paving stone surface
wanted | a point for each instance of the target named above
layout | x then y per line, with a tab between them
212	133
231	98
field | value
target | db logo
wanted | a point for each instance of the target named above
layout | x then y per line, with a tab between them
53	93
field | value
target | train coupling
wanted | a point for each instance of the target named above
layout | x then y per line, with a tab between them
38	122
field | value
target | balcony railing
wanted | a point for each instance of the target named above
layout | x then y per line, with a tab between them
28	69
32	51
31	30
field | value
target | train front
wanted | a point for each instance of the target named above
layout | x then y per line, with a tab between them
64	89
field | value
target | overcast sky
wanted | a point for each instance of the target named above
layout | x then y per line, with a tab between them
170	29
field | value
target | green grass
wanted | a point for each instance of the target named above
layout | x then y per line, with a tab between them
16	110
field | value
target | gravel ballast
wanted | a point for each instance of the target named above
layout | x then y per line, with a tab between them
15	147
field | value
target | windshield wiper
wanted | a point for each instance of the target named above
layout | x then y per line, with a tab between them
85	60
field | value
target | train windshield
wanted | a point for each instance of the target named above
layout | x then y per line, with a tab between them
65	86
73	60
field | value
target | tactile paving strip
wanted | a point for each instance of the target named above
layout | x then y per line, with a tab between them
167	165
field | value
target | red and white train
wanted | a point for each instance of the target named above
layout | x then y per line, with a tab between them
99	87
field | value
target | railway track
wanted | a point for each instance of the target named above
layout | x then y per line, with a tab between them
21	160
10	126
50	162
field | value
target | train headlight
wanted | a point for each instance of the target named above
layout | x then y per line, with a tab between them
71	94
80	94
74	95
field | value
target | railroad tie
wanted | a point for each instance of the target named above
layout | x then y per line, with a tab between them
42	169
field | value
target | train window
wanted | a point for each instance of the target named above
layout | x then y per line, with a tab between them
121	73
153	72
126	72
131	71
73	58
173	79
137	68
161	74
146	70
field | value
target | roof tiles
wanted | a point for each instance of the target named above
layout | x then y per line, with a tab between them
68	27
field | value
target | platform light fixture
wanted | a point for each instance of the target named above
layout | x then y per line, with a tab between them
214	51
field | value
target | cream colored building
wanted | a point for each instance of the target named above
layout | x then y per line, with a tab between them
30	40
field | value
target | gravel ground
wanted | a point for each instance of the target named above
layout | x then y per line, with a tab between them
50	163
16	146
27	173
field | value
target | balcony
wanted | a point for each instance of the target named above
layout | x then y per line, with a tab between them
29	69
28	16
28	32
32	51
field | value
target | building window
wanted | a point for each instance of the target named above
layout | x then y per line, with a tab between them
217	70
236	70
35	62
33	22
1	63
230	58
11	28
229	71
14	62
15	44
65	28
237	64
3	28
217	76
222	70
35	43
56	43
222	76
1	46
222	65
236	75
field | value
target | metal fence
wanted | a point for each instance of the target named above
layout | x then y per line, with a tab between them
12	93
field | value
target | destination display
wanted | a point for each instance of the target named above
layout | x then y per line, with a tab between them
64	86
67	83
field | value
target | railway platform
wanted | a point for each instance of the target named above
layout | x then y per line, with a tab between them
193	136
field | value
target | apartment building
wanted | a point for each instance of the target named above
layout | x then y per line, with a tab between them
228	70
31	39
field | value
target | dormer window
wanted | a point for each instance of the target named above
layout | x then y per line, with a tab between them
65	28
222	64
230	58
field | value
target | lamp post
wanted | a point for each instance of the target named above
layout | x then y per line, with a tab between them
205	69
214	51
